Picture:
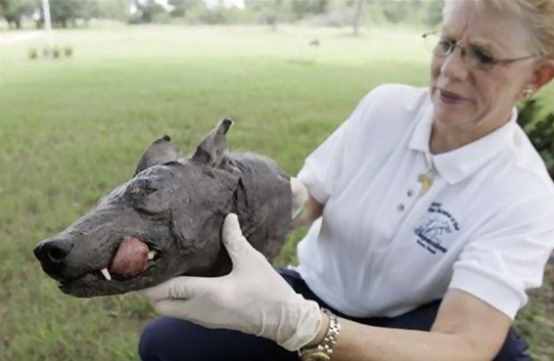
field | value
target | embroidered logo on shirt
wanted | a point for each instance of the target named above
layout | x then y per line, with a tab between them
438	224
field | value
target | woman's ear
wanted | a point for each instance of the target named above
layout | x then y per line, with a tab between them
543	74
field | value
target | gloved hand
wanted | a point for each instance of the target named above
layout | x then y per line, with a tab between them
299	197
253	298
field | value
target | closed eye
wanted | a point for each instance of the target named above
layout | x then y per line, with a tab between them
141	187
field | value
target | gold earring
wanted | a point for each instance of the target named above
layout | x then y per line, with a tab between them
528	92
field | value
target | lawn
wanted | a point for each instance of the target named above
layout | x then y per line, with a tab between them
72	129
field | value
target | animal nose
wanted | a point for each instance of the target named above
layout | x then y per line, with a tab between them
52	254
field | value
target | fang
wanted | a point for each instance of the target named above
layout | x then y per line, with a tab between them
106	274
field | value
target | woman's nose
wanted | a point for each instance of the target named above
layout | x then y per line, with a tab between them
454	66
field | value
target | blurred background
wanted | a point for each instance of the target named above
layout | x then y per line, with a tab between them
79	103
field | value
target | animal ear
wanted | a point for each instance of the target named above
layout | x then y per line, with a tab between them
159	152
212	149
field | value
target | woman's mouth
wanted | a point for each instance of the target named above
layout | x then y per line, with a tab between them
450	98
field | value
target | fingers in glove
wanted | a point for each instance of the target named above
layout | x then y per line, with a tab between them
233	239
299	196
179	288
169	308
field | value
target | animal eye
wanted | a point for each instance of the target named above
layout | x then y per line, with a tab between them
142	186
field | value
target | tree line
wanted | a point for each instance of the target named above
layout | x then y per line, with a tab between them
65	13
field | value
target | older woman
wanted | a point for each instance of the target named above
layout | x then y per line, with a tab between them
436	217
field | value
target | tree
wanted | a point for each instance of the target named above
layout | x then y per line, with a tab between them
147	10
113	9
540	129
181	7
395	11
434	12
357	19
14	10
301	8
67	12
269	10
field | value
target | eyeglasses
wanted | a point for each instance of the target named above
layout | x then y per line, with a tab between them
474	56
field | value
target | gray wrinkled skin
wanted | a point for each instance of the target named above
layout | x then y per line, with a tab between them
177	207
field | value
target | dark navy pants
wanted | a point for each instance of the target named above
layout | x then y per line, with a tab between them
169	339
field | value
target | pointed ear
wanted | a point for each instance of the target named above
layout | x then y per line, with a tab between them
160	151
212	149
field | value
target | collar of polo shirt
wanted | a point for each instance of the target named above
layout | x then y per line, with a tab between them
455	165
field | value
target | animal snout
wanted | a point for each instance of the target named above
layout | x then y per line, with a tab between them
52	255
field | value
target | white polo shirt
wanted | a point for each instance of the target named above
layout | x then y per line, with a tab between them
384	246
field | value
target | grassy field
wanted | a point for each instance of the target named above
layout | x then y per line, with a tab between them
72	129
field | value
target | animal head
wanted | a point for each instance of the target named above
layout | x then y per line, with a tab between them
165	221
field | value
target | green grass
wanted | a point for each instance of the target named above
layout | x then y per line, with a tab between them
72	129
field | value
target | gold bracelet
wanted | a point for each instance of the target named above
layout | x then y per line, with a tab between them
324	350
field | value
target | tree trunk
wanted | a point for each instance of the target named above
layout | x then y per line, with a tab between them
358	16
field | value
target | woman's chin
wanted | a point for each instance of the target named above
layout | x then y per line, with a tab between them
451	113
447	116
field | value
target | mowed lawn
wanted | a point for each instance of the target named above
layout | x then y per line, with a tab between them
72	129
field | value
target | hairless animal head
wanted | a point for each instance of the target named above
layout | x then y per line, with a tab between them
166	221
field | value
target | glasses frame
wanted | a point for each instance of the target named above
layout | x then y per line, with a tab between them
494	61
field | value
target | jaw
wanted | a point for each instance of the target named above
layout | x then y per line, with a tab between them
133	265
91	285
170	259
166	265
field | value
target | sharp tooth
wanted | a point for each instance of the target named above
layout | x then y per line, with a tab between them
106	274
151	255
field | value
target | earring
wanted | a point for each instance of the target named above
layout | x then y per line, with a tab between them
528	92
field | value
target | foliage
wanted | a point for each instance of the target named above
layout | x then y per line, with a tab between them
147	12
416	12
540	129
14	10
332	12
269	12
65	13
113	9
301	8
434	13
182	7
395	11
261	5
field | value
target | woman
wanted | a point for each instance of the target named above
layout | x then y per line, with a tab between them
436	217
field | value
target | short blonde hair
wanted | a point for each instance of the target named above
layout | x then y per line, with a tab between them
537	15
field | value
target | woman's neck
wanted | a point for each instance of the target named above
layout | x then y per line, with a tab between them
445	139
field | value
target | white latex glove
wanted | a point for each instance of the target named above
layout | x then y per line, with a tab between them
299	197
253	298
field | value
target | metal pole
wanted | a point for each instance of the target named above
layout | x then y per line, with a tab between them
47	21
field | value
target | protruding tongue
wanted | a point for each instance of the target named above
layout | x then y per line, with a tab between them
131	258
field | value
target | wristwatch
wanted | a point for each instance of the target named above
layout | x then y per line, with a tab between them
324	350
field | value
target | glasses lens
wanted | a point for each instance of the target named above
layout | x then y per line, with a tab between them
430	42
479	58
438	46
444	47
